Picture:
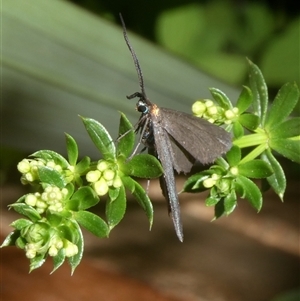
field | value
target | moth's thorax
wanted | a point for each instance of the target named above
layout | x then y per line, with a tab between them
154	110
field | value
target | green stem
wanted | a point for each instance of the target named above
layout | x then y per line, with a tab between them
255	153
251	140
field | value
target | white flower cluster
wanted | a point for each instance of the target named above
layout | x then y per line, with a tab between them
29	169
104	177
214	114
52	198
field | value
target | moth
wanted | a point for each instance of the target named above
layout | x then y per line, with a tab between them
176	138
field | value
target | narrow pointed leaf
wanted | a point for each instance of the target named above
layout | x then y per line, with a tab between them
256	169
284	103
141	196
245	100
288	148
221	98
126	143
260	93
26	210
92	223
58	260
287	129
234	155
143	166
51	176
277	180
115	209
249	121
75	260
251	192
36	262
100	138
48	155
72	149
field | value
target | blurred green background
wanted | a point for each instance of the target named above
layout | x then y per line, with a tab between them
64	58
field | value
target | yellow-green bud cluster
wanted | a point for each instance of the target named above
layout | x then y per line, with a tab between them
222	184
105	176
231	115
215	114
29	169
52	198
70	248
211	181
33	249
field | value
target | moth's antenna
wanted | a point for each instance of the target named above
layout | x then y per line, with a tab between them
135	59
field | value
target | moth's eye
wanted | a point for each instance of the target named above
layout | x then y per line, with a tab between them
142	107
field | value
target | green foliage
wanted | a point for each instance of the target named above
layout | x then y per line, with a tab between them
271	129
67	188
215	35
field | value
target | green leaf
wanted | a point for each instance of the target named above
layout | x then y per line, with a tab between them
92	223
83	165
113	193
219	209
115	209
126	143
141	196
21	223
245	100
260	92
51	176
256	169
289	148
249	121
284	103
54	219
250	192
26	210
72	149
221	98
194	183
143	166
238	130
48	155
234	155
36	262
75	260
58	260
287	129
86	198
10	239
230	202
100	138
211	201
278	179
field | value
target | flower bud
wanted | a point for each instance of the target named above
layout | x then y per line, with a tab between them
53	251
117	183
198	108
102	165
31	200
209	182
93	176
23	166
101	187
234	171
108	174
70	249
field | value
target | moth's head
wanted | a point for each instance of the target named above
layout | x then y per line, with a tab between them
142	107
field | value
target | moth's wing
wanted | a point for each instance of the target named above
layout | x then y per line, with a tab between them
167	181
182	159
202	139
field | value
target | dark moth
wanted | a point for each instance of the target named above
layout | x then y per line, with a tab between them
177	139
